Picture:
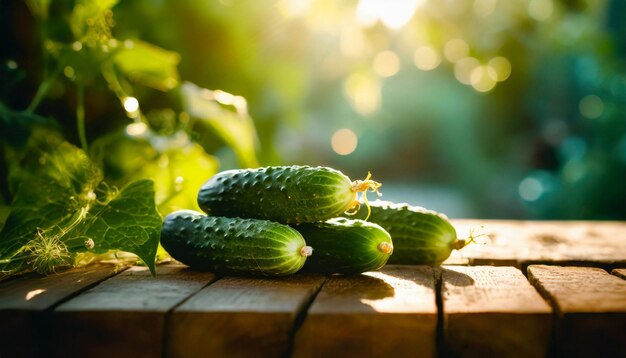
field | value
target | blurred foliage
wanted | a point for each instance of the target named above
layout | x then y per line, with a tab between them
64	205
516	107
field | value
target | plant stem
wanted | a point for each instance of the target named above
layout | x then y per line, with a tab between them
43	89
41	92
110	76
80	115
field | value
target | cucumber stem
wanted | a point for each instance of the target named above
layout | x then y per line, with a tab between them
363	186
461	243
385	247
366	184
306	251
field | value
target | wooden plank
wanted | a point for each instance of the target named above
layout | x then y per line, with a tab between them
494	312
25	303
241	317
590	306
387	313
520	243
621	273
125	315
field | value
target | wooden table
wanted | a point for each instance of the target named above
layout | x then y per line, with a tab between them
535	289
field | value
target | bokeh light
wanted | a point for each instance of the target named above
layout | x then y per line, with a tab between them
591	106
540	10
502	66
464	68
136	129
344	141
483	78
530	189
426	58
456	49
131	104
465	96
386	64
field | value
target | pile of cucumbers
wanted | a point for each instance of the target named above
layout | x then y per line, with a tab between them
276	221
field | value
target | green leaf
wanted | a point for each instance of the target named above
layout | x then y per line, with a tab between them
54	186
178	166
148	65
234	127
62	203
16	126
127	220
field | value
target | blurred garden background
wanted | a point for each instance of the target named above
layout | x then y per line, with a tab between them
475	108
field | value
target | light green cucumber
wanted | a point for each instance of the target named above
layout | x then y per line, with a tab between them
346	246
420	236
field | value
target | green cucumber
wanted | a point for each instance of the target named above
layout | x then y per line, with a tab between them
346	246
420	236
233	245
288	194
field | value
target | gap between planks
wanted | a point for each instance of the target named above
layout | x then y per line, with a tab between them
491	311
589	308
443	338
124	315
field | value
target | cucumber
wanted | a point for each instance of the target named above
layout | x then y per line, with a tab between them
233	245
420	236
288	194
346	246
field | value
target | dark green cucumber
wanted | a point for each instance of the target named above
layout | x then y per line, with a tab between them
288	194
233	245
420	236
346	246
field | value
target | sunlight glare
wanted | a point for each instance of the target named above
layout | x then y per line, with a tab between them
294	8
34	293
352	42
394	15
364	93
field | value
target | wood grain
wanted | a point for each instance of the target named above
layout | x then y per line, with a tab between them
25	303
591	308
391	312
621	273
241	317
520	243
493	311
125	315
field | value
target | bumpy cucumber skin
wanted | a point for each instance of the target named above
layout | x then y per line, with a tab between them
232	245
287	194
345	246
420	236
